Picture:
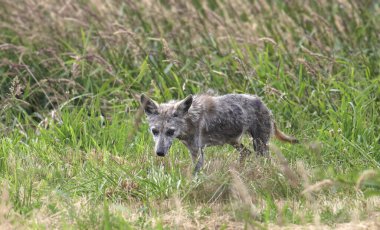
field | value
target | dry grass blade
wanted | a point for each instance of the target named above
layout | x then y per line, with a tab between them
5	209
318	186
365	176
241	194
292	177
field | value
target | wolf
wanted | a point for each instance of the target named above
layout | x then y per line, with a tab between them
204	120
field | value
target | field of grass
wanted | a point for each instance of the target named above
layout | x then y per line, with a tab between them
75	151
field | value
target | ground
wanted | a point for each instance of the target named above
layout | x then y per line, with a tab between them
75	149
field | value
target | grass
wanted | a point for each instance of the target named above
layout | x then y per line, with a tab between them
74	147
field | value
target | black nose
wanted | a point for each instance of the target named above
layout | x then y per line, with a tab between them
161	154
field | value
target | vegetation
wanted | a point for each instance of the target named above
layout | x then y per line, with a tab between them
75	151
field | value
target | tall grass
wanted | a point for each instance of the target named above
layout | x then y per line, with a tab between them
74	146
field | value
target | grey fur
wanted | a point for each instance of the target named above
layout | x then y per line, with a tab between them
204	120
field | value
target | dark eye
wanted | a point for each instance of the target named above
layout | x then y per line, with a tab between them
175	115
170	132
155	132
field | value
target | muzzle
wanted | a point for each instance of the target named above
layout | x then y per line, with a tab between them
160	153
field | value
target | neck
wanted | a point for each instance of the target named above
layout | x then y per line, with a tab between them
188	131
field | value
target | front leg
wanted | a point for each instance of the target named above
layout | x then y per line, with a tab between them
198	159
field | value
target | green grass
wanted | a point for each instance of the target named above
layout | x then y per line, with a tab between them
75	152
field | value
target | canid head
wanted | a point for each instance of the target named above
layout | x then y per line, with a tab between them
166	121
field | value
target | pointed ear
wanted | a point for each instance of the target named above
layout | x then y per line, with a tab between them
150	106
184	105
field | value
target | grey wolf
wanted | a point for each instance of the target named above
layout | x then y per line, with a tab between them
203	120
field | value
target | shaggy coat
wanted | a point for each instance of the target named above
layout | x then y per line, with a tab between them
204	120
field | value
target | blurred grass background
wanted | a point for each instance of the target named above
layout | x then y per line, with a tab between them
63	64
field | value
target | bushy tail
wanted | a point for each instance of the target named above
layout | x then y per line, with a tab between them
282	136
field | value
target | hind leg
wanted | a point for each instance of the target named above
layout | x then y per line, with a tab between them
244	152
261	134
261	146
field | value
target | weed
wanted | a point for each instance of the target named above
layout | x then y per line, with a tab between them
74	146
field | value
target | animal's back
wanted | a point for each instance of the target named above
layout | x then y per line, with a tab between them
247	108
228	117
